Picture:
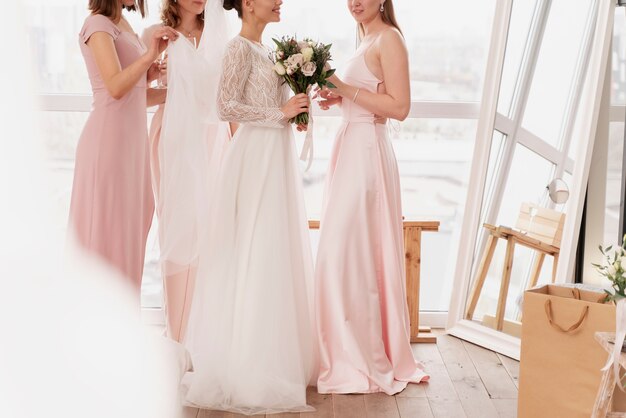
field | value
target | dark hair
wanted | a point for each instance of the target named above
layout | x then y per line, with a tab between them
234	4
170	14
108	8
389	17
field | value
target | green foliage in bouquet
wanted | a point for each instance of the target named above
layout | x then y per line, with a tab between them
614	269
302	64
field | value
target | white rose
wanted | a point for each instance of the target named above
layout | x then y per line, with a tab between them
307	54
290	70
280	68
612	270
280	54
308	69
295	61
302	45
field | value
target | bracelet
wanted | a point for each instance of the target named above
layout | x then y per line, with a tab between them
356	95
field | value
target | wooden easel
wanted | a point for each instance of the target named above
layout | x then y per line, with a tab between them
541	232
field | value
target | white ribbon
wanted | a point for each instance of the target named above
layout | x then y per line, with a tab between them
620	336
307	148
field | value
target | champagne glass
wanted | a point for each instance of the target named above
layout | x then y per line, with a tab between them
162	78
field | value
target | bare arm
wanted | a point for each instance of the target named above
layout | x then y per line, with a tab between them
120	81
156	97
395	101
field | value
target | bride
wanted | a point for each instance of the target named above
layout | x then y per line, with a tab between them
250	334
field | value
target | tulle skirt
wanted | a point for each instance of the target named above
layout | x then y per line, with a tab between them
250	332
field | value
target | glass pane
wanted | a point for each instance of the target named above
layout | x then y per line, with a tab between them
519	27
62	132
447	61
522	185
53	28
448	41
325	130
434	157
496	153
614	184
618	87
557	64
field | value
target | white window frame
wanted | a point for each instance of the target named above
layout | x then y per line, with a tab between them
490	120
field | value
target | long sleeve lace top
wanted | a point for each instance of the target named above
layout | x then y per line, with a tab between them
250	90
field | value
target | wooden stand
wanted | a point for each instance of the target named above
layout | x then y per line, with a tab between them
604	398
413	258
542	233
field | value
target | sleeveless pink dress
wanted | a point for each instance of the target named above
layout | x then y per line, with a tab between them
112	202
361	306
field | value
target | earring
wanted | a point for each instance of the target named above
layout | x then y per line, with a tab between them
382	7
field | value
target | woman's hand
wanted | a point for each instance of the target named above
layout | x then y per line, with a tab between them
297	104
329	98
159	40
157	69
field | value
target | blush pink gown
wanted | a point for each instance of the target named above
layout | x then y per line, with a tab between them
361	307
112	202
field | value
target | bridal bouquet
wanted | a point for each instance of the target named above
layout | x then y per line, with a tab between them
614	269
302	64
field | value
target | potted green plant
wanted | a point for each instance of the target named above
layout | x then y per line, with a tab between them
614	269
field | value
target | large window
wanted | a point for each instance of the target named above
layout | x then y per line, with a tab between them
546	54
448	43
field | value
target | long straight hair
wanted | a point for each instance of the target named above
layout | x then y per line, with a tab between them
389	17
109	9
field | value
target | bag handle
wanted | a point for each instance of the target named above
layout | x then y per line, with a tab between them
572	328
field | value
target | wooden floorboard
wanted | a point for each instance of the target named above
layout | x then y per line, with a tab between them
465	378
494	375
507	408
323	404
442	397
349	406
512	367
380	405
466	381
414	407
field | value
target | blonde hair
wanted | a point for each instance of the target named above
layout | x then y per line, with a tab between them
389	17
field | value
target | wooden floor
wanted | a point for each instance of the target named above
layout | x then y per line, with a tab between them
466	381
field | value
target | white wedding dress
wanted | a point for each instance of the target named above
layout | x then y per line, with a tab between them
250	331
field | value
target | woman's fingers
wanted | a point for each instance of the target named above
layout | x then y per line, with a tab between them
168	32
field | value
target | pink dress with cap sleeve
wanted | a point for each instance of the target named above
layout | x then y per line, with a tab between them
112	203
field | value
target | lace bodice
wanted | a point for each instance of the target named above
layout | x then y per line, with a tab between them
250	91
